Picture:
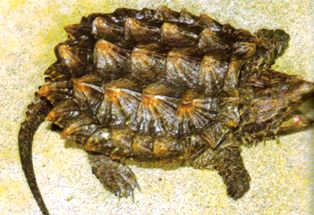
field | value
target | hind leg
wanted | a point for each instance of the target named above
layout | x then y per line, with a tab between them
115	176
229	164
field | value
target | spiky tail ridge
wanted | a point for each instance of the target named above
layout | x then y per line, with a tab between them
35	115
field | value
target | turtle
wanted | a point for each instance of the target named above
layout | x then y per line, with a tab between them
163	85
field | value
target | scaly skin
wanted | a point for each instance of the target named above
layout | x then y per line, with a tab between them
35	115
228	162
115	176
160	84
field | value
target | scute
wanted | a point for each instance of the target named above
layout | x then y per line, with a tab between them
182	69
212	74
120	102
141	32
110	60
157	111
147	65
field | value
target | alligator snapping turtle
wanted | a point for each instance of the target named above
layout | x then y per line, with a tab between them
160	84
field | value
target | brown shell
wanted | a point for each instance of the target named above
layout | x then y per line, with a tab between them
161	74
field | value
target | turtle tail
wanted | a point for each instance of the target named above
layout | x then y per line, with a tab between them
35	115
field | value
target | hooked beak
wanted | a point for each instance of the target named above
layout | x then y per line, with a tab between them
299	120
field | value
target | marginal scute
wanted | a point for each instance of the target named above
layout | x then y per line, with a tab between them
68	56
56	91
142	146
124	13
166	146
210	41
141	32
99	141
105	28
57	72
80	129
64	113
78	31
74	56
187	18
165	14
207	22
122	139
175	36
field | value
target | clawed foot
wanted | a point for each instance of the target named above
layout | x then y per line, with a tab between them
229	164
238	186
114	176
231	168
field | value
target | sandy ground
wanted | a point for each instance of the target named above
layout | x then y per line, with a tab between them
281	173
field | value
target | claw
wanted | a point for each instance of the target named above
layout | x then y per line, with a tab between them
138	186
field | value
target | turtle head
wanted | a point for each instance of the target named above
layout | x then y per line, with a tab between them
273	103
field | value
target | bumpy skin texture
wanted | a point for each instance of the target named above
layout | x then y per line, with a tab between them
160	84
35	115
227	160
116	176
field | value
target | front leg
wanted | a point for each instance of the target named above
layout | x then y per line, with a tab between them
229	164
115	176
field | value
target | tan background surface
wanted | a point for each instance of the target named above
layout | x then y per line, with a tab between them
281	173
